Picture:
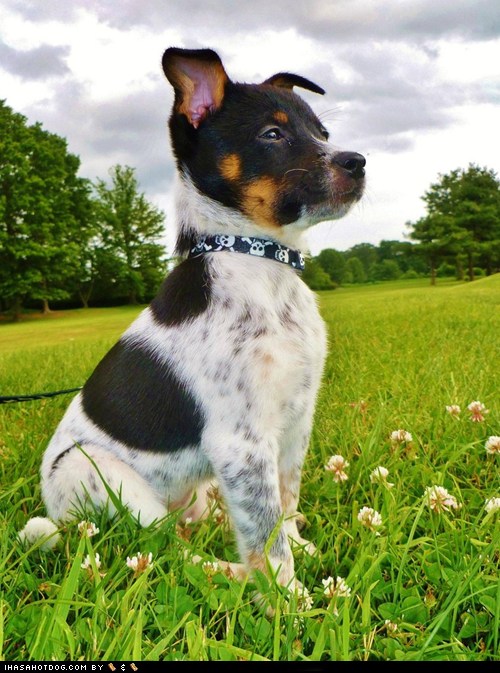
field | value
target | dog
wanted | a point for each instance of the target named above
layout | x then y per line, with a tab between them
216	381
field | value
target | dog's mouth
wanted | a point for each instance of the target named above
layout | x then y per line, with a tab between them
325	193
350	193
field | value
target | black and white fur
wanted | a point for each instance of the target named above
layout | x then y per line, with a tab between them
217	379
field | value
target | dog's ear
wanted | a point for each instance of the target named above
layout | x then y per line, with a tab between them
286	80
198	78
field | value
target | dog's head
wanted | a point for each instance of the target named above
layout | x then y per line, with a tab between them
257	152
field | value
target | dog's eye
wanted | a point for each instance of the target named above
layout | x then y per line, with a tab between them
272	134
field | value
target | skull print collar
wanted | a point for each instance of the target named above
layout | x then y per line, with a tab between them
258	247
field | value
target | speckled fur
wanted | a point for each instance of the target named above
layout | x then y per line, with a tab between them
254	370
248	362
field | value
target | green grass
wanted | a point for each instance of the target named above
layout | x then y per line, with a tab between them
425	588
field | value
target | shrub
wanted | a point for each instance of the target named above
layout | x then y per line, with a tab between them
316	277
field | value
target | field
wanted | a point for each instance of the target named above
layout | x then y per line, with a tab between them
419	583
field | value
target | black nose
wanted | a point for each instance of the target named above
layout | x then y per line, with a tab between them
352	162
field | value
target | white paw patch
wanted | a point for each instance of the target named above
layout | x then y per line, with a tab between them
38	528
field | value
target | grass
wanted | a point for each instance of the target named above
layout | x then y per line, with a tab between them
424	586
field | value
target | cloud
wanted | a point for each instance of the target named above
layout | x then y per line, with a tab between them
35	64
134	130
339	21
130	130
405	82
385	94
478	20
34	10
332	22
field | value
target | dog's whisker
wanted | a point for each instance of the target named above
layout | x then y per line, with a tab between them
295	170
330	114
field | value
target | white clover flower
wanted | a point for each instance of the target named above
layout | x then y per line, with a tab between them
492	505
439	500
303	603
380	475
391	627
87	565
337	588
88	528
401	437
477	410
453	410
210	568
140	562
369	518
492	445
337	466
304	600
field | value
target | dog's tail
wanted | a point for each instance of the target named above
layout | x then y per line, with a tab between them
40	529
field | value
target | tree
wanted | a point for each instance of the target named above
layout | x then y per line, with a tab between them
463	219
355	268
43	213
129	229
435	234
366	253
401	252
316	277
333	263
387	269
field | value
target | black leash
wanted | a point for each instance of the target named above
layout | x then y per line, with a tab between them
36	396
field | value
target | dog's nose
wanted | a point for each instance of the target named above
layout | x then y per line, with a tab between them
352	162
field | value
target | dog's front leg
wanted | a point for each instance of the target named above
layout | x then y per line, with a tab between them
294	444
249	481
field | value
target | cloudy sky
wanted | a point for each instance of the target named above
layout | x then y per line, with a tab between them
414	85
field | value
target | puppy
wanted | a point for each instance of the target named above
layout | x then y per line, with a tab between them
217	378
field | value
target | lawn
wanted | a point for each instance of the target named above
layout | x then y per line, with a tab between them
408	582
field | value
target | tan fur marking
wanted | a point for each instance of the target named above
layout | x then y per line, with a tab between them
264	358
259	197
281	117
267	360
257	561
233	570
230	167
288	499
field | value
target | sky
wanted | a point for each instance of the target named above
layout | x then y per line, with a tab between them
414	85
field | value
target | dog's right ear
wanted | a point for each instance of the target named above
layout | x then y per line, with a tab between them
198	78
287	80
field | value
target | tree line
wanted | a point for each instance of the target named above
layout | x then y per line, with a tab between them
459	237
64	238
67	240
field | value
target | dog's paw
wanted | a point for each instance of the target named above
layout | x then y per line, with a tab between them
296	599
300	544
40	528
231	570
300	521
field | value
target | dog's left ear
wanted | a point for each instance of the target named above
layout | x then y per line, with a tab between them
199	80
286	80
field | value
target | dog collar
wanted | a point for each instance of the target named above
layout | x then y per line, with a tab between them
258	247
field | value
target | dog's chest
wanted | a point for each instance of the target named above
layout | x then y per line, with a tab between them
262	334
255	352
